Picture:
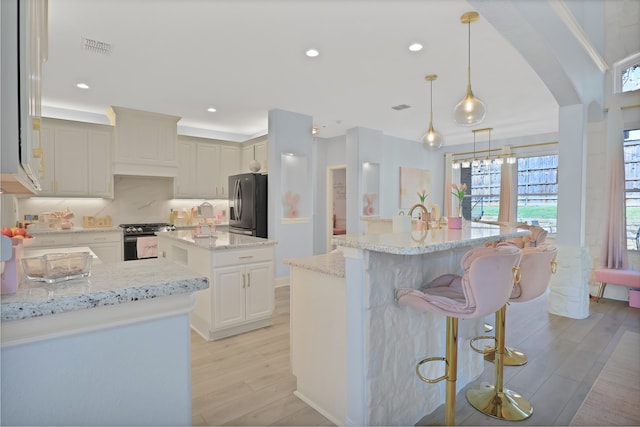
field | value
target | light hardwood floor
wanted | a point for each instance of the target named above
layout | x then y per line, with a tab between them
246	379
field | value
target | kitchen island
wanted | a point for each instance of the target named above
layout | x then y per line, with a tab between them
241	274
111	349
368	376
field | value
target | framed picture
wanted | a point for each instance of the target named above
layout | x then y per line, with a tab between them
412	182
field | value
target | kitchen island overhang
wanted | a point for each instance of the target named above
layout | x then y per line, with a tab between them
113	349
383	340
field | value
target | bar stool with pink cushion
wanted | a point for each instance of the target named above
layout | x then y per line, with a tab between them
485	287
531	281
536	268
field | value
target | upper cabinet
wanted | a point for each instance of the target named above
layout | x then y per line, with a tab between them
229	165
254	151
204	167
75	159
145	143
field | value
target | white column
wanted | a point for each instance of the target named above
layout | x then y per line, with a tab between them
569	287
289	133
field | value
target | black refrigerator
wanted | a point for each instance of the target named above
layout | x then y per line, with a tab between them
248	204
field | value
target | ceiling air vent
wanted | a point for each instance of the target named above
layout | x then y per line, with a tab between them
401	107
96	46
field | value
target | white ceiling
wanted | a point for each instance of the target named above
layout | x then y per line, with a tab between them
246	57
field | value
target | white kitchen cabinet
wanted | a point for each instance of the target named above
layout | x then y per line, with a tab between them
204	167
100	178
75	160
262	155
207	159
63	167
255	151
240	296
246	155
107	245
186	180
242	293
229	165
145	143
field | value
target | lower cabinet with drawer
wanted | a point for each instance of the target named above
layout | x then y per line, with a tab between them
107	245
242	294
240	297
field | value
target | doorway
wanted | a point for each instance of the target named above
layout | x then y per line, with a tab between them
336	203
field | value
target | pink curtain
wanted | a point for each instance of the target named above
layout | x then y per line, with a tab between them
614	247
508	193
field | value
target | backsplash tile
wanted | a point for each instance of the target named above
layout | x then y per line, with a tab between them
136	200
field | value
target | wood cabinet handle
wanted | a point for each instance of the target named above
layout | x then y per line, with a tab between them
248	280
243	281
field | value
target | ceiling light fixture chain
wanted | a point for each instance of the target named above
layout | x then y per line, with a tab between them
470	110
432	139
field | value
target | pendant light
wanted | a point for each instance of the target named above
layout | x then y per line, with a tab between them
470	110
488	160
474	162
254	165
432	140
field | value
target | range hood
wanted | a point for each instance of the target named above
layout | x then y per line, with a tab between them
145	143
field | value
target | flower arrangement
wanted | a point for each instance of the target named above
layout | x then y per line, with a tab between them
423	195
458	192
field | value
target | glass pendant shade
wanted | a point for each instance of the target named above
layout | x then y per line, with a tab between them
470	110
432	140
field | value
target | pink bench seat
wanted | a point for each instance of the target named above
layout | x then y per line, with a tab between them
616	277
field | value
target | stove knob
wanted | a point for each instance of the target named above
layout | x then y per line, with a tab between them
172	228
139	230
128	230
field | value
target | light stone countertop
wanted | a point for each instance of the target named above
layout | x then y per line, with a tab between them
109	284
331	263
36	231
427	241
218	241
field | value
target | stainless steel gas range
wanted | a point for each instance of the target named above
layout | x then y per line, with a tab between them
140	241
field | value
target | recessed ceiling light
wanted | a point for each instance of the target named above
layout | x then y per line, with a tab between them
82	86
312	53
211	110
415	47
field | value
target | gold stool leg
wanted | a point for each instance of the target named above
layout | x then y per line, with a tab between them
494	400
452	370
512	357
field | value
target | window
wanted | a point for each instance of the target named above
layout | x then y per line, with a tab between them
538	191
626	74
485	192
632	186
631	78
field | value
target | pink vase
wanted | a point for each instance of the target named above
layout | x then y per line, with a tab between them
454	222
